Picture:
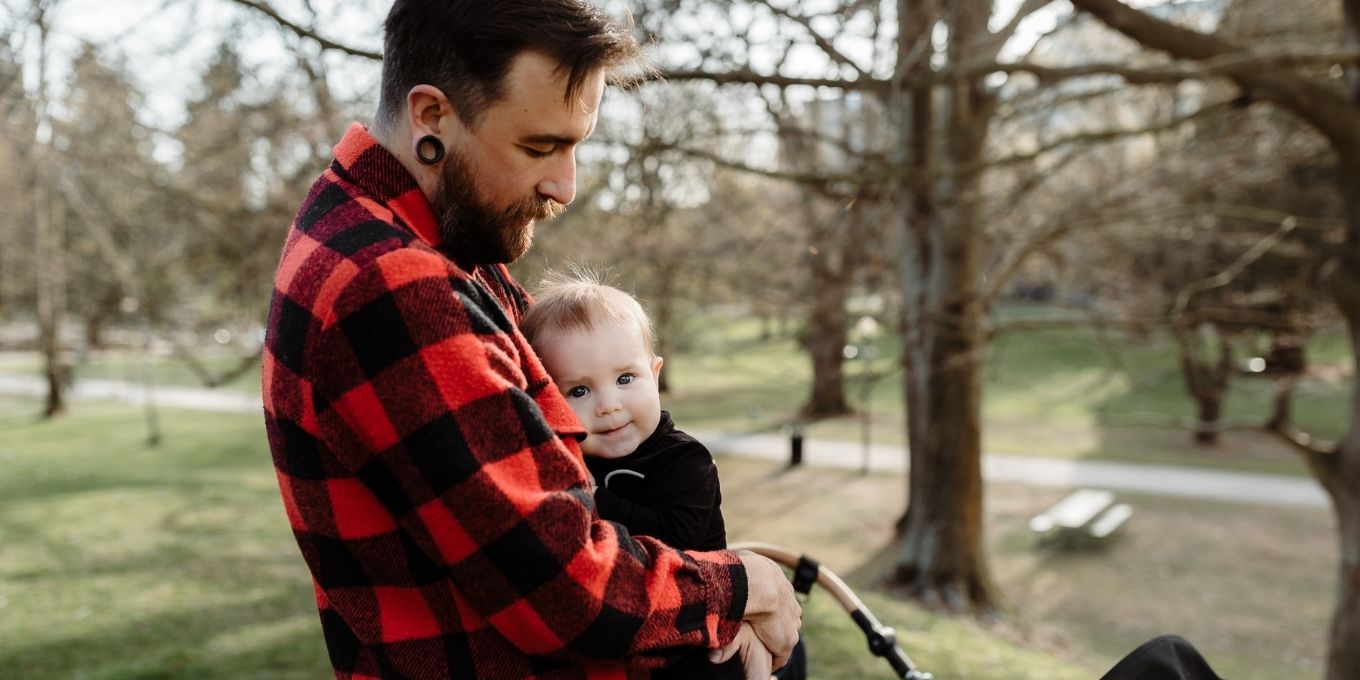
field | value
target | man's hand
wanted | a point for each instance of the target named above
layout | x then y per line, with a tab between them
771	608
755	659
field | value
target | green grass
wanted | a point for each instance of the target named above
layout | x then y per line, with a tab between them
947	646
123	561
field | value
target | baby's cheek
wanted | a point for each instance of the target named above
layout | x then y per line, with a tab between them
581	409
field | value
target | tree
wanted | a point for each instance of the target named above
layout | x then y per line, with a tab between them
45	216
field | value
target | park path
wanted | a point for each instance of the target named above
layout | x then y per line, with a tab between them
1163	480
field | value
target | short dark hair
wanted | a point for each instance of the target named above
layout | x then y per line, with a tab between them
465	47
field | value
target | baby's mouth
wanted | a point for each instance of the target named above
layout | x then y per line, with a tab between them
607	433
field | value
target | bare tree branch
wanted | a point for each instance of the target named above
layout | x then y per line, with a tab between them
264	8
1246	65
1303	442
746	76
1102	136
824	44
1240	64
1226	276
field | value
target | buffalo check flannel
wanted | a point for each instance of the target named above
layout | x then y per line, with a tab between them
432	474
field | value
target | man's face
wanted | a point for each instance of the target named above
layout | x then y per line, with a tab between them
609	378
517	164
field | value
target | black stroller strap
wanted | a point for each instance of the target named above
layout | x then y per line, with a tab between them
805	575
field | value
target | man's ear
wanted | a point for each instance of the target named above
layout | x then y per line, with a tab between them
429	112
656	367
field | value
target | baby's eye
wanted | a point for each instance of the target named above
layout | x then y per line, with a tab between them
626	378
577	392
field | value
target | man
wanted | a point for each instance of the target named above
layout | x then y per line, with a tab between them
431	473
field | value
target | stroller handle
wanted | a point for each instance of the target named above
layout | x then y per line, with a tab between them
882	639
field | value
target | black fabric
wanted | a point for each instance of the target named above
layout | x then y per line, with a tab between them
1167	657
668	489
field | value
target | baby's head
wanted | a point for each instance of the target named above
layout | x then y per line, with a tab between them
596	342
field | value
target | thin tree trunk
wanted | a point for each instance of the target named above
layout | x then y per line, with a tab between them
664	307
826	337
1210	409
49	278
1206	381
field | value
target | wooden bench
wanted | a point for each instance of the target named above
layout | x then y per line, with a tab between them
1083	516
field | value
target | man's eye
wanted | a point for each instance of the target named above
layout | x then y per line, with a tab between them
577	392
626	378
537	153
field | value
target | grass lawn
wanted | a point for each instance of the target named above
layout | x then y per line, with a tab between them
1251	586
127	562
121	561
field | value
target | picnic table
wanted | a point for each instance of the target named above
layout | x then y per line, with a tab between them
1084	516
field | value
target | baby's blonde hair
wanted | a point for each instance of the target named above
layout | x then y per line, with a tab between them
578	299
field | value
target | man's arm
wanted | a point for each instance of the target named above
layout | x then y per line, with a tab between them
425	402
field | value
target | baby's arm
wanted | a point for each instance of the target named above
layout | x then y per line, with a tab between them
677	507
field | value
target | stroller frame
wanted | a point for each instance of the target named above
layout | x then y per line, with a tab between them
806	571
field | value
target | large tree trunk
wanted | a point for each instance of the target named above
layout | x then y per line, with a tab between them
941	559
1339	470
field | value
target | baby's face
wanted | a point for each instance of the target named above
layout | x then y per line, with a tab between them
609	378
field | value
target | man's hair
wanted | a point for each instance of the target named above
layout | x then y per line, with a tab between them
465	48
580	300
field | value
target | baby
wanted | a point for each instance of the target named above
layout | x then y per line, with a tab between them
596	342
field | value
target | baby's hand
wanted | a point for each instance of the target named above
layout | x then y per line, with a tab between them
756	661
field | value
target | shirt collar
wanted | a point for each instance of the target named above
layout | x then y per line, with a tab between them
360	159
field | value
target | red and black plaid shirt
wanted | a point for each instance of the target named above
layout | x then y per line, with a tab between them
431	472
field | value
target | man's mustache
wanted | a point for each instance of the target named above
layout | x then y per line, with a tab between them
542	209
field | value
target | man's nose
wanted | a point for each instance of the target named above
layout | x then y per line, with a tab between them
560	183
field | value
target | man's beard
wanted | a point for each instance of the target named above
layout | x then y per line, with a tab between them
476	232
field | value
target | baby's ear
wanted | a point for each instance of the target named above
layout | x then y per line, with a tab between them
656	367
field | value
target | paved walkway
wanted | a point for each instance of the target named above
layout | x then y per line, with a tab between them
1049	472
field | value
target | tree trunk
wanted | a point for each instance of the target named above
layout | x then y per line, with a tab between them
1339	471
664	307
51	299
1343	661
1210	410
941	559
1206	381
826	339
1282	412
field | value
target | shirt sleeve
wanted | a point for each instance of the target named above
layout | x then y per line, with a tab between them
679	501
423	397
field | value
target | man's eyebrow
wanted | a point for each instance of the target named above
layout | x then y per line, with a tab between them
548	138
551	139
